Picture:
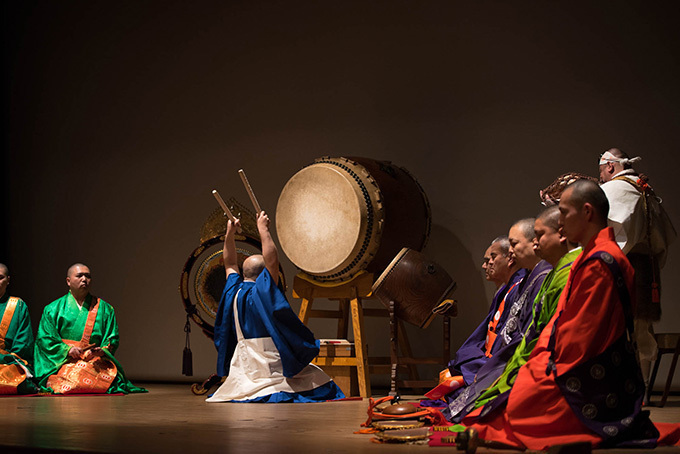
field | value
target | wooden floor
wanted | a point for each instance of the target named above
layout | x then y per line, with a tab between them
170	419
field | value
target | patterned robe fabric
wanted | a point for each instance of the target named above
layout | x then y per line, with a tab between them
62	321
16	351
497	376
537	415
470	356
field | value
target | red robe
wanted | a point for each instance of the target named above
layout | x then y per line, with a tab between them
537	415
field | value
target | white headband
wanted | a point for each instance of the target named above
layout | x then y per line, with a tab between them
608	157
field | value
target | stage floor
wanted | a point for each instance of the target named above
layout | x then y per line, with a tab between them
170	419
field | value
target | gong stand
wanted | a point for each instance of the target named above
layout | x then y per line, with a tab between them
396	336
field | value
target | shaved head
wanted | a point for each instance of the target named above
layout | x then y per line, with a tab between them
253	266
526	227
4	279
584	191
72	268
550	217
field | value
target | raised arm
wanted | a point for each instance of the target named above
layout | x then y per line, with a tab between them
229	250
269	252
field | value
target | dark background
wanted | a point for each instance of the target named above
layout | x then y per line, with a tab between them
121	117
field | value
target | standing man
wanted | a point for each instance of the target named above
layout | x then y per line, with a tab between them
16	342
644	232
550	403
77	338
263	348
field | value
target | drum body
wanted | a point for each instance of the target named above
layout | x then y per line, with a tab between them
340	216
416	284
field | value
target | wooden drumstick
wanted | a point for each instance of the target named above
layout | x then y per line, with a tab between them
251	194
224	206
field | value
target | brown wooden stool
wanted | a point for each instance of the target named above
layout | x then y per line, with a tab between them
668	343
349	295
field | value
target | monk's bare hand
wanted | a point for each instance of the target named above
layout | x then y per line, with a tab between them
75	352
233	226
93	353
262	221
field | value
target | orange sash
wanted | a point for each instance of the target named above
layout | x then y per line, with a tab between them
491	331
94	375
11	375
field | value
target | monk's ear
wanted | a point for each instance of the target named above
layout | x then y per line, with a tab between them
562	238
588	211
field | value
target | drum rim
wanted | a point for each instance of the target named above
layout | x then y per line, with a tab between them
374	218
388	270
398	424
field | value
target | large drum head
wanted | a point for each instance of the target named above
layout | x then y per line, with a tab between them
319	219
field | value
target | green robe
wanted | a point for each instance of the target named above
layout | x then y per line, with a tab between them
63	319
19	340
549	294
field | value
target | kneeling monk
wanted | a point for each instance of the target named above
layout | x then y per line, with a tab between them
16	342
76	340
263	347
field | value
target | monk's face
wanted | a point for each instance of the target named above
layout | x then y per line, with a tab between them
573	221
79	279
4	281
496	264
521	248
548	244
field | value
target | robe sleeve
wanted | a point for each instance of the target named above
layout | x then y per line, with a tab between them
22	341
594	298
224	334
109	327
294	341
50	351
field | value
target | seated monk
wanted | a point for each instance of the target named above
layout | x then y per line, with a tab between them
263	347
498	374
512	317
77	338
16	342
499	268
582	382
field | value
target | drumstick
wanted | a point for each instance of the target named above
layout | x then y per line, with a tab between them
225	208
251	194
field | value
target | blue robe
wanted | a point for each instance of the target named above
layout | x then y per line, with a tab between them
265	312
271	361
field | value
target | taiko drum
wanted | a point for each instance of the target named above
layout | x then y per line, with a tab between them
339	216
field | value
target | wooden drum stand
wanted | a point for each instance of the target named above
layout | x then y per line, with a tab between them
349	295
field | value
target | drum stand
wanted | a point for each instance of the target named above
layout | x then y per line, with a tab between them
396	336
349	295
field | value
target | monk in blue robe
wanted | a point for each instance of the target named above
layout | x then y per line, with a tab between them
263	348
